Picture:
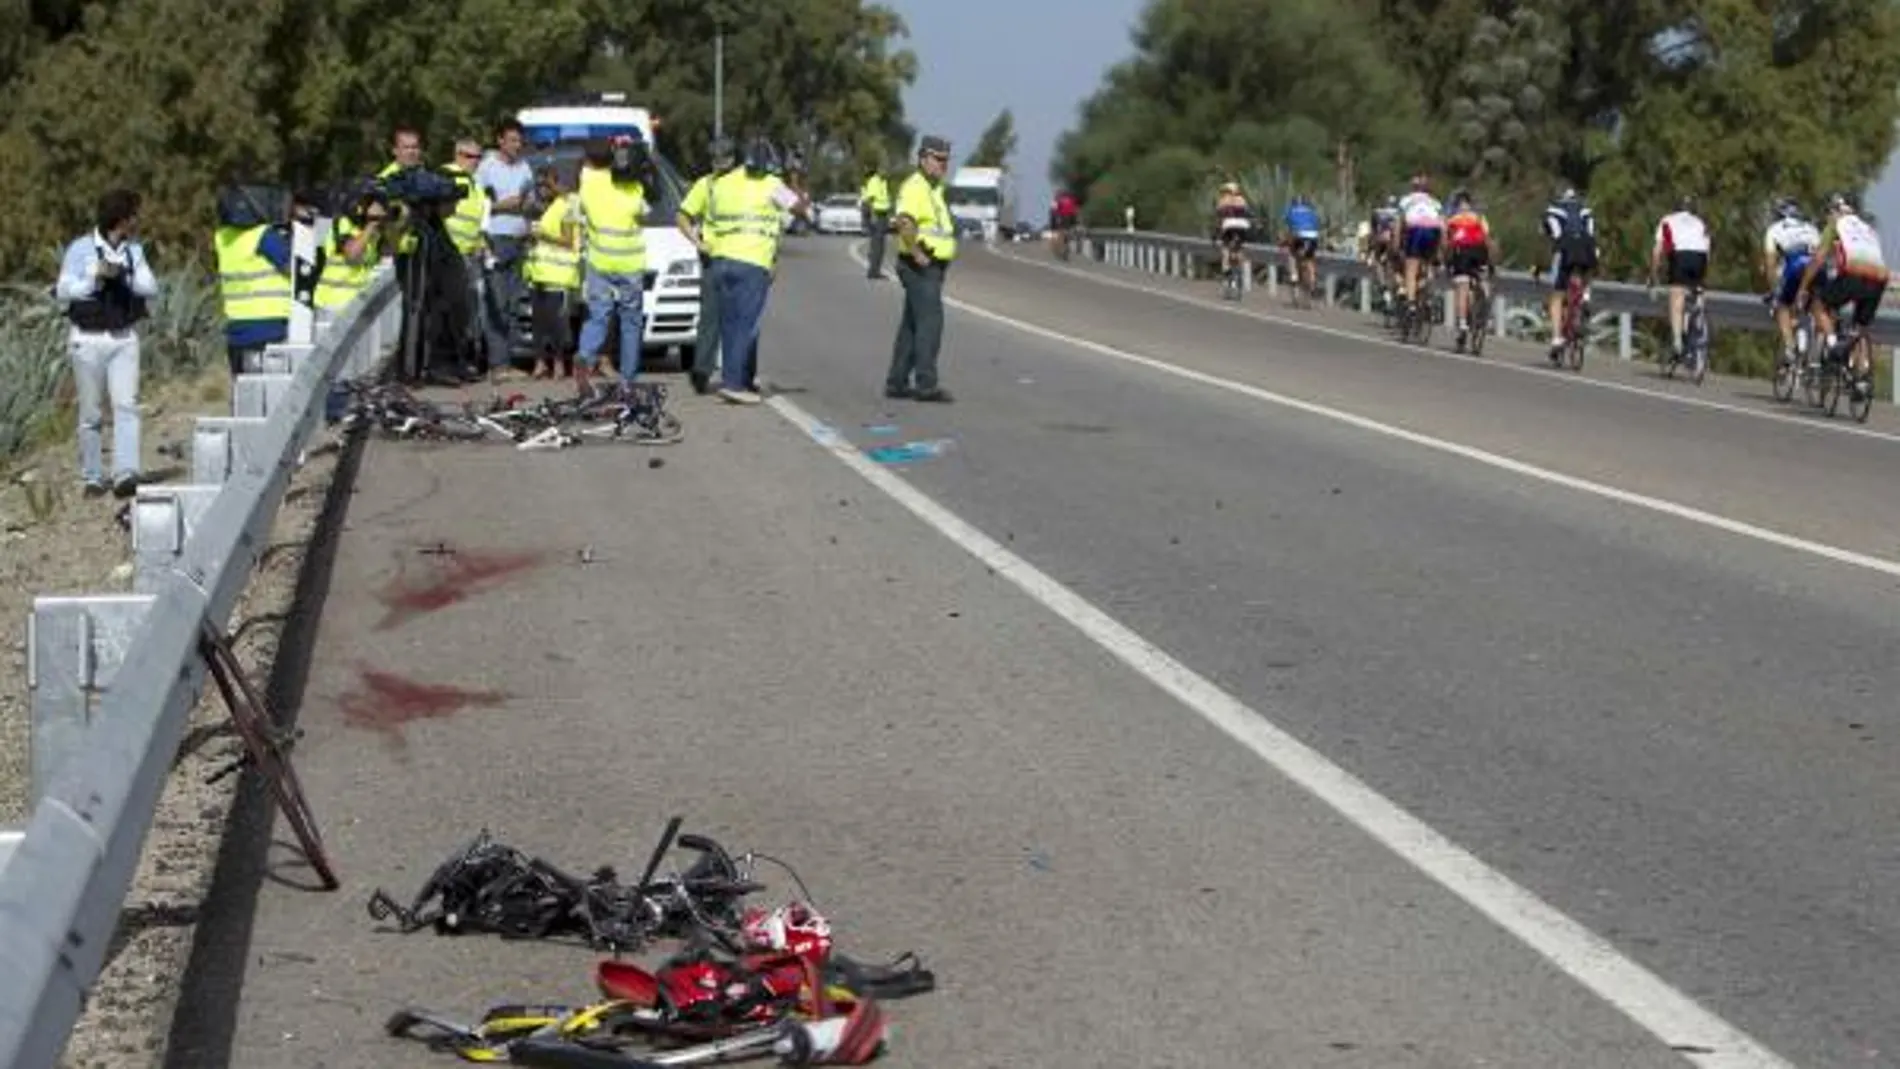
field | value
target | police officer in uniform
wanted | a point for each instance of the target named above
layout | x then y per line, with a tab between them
874	199
926	245
696	223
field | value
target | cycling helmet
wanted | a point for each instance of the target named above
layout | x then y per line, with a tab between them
1461	198
1840	202
1787	208
1568	195
1686	202
1421	183
1230	187
760	156
1392	201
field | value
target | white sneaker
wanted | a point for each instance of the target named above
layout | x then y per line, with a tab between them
739	397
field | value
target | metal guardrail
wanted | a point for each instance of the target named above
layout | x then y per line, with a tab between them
115	677
1190	257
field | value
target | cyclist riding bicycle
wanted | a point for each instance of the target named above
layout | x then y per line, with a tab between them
1422	218
1472	251
1786	249
1682	240
1851	270
1302	240
1233	224
1572	230
1063	216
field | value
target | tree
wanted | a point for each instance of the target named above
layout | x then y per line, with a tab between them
143	93
997	144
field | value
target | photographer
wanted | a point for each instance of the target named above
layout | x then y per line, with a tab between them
613	209
254	268
104	282
350	252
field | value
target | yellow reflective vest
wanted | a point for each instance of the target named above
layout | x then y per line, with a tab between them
465	226
341	280
554	264
922	200
251	288
614	215
876	192
746	222
405	237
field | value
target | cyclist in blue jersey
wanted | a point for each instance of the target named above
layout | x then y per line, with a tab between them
1302	240
1786	249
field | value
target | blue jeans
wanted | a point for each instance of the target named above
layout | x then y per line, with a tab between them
502	292
742	291
106	365
608	295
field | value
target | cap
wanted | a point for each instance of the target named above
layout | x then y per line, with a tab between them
932	144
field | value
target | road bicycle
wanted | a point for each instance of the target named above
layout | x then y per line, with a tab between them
1576	317
1417	316
1799	368
1837	377
1695	340
1478	316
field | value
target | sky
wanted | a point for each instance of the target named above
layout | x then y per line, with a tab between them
1038	58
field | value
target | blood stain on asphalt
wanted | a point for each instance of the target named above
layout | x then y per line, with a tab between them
456	576
384	702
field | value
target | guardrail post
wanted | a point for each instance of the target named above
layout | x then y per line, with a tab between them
1500	308
1625	345
1332	289
74	646
281	358
1450	301
1365	296
163	518
257	396
221	445
10	837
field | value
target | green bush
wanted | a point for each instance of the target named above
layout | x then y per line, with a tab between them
185	331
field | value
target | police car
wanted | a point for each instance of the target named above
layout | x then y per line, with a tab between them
557	132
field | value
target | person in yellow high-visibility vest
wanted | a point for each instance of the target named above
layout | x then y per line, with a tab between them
747	220
254	273
874	198
553	270
926	243
614	263
464	228
695	221
350	254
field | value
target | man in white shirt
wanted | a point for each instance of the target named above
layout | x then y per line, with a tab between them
508	181
1787	247
105	282
1682	242
1422	219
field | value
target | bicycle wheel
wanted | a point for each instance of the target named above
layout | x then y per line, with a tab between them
1831	376
1809	373
1479	321
252	720
1860	388
1698	348
1787	371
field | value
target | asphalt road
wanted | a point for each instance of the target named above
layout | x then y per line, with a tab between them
1678	734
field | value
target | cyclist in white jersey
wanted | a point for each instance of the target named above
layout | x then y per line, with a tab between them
1856	274
1682	241
1422	220
1786	249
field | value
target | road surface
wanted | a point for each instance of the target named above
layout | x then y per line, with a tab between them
1213	692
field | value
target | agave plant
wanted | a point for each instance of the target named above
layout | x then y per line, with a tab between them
183	331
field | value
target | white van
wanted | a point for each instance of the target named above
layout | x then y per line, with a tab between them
558	132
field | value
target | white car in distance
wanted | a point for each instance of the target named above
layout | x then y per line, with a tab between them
838	214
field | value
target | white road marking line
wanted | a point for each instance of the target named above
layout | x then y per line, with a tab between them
1805	422
1645	998
1663	506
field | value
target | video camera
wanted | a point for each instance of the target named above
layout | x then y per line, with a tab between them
632	160
415	187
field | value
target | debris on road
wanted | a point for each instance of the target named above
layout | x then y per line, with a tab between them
747	980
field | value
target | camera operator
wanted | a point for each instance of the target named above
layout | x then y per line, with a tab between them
254	269
436	344
613	210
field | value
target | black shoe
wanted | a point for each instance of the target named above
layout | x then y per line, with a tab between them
939	396
95	489
898	393
702	382
125	486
